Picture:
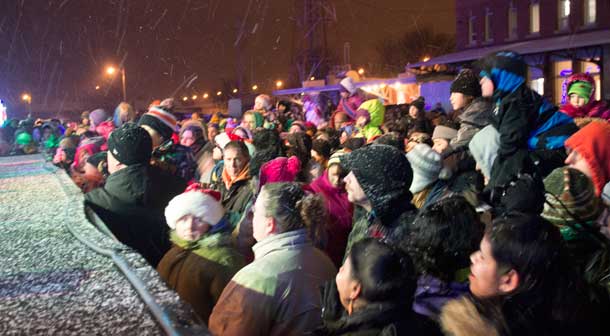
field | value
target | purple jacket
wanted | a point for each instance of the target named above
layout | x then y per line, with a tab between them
432	294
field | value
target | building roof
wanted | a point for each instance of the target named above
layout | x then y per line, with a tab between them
571	41
335	87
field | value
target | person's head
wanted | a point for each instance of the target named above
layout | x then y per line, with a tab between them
518	255
373	183
501	73
283	106
416	109
320	151
128	145
297	127
97	117
426	165
443	236
570	201
192	136
335	172
236	158
464	89
392	139
123	113
84	117
160	124
484	149
581	88
363	117
347	87
280	169
252	120
340	119
212	131
262	102
441	137
94	167
375	272
299	145
193	213
589	151
284	207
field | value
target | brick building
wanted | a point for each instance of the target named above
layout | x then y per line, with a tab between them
557	38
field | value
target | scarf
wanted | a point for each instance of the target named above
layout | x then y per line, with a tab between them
244	174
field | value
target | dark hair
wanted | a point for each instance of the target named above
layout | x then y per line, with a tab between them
322	147
196	130
239	146
299	145
443	236
331	135
268	146
392	139
528	244
384	272
293	209
354	143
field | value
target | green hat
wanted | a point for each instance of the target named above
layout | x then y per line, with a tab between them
23	138
582	89
570	200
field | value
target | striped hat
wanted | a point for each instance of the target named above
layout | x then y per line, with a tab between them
161	120
570	200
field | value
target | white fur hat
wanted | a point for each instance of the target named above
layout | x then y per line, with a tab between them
348	84
197	203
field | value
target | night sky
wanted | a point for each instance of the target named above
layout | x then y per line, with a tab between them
58	49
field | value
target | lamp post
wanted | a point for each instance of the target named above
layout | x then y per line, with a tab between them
27	98
111	71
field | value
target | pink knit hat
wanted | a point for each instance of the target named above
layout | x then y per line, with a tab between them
280	169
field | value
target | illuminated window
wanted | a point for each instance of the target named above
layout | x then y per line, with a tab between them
512	21
563	18
534	17
488	18
472	35
590	11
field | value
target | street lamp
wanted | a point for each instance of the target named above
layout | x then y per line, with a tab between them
27	98
97	87
361	71
219	93
111	71
254	87
205	96
235	90
185	98
194	97
279	84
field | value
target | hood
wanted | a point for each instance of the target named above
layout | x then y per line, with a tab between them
461	318
376	111
484	148
477	113
592	142
507	71
385	185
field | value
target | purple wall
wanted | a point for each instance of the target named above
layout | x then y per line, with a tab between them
499	26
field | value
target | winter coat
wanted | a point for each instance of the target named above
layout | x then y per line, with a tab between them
350	105
278	293
593	109
474	117
431	295
461	318
367	224
235	199
340	211
200	270
125	205
387	318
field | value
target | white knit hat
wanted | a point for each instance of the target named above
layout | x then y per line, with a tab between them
196	203
348	84
426	165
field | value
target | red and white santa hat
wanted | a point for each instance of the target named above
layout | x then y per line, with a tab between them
201	203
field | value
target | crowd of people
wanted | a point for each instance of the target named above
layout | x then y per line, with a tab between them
493	219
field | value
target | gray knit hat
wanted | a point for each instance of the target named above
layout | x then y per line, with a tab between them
426	165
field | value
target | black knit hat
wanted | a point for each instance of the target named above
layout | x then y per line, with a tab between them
385	175
420	103
130	144
161	119
467	83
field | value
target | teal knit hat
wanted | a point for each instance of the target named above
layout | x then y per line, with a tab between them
23	138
